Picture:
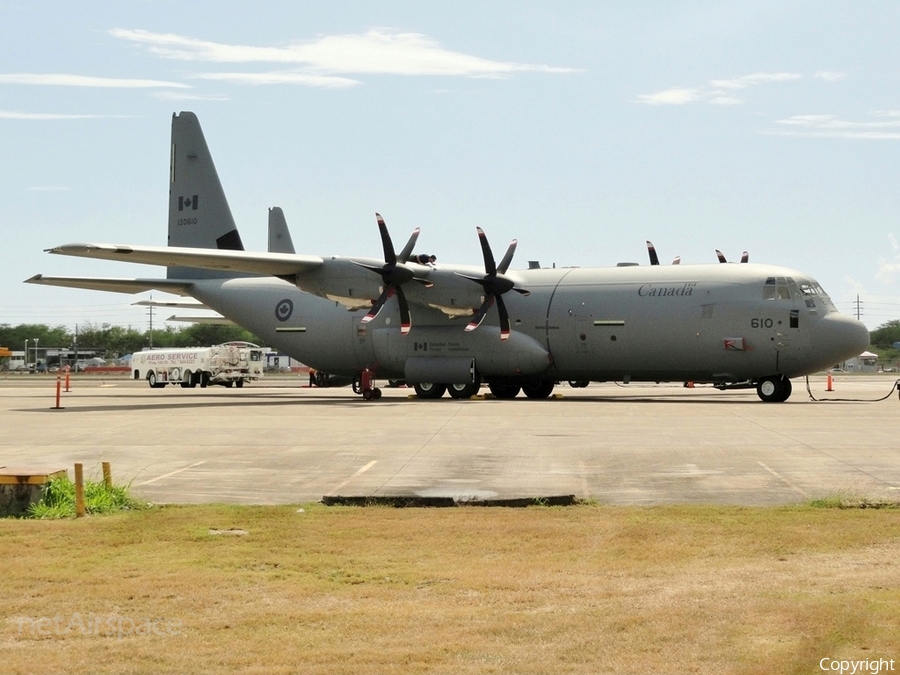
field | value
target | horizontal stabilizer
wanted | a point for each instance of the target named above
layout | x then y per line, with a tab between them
170	303
274	264
131	286
209	320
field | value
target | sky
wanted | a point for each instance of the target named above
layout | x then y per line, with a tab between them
581	129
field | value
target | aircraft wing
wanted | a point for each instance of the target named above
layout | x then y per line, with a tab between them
130	286
271	264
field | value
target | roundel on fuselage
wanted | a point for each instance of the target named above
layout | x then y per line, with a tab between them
284	309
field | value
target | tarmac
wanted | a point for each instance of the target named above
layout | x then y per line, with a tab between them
277	442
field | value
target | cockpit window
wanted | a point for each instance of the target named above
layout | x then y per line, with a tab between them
811	292
769	289
792	288
782	289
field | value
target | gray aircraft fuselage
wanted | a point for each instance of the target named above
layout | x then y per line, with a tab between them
703	323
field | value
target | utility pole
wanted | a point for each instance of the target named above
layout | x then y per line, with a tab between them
150	310
858	305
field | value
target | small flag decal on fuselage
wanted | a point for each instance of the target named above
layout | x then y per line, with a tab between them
187	203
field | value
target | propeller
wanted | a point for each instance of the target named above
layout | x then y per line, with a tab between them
654	259
745	257
495	283
394	275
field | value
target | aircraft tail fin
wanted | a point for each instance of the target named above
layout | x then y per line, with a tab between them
199	215
279	236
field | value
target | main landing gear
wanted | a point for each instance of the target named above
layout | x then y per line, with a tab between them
774	389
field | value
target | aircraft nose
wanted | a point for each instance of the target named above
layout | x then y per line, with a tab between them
841	337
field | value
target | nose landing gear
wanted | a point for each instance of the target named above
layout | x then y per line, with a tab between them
774	389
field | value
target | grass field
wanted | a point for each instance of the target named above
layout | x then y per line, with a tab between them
585	589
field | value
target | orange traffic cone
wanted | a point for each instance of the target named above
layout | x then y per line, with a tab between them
829	387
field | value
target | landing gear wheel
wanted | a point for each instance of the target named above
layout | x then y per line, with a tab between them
372	394
538	390
467	390
504	391
579	384
430	390
774	389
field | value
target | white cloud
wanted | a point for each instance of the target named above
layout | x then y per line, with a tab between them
68	80
16	115
186	96
718	92
674	96
830	76
829	126
756	78
888	270
281	77
378	51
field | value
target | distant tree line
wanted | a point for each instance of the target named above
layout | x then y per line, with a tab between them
886	334
114	341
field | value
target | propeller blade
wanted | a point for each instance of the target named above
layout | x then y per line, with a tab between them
480	314
390	257
507	259
379	304
677	260
504	318
407	250
720	256
651	250
745	257
490	268
405	323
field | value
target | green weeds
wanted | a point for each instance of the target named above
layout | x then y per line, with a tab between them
58	499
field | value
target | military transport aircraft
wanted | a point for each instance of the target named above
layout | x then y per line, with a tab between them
450	327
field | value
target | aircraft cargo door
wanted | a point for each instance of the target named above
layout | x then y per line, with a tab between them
587	338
